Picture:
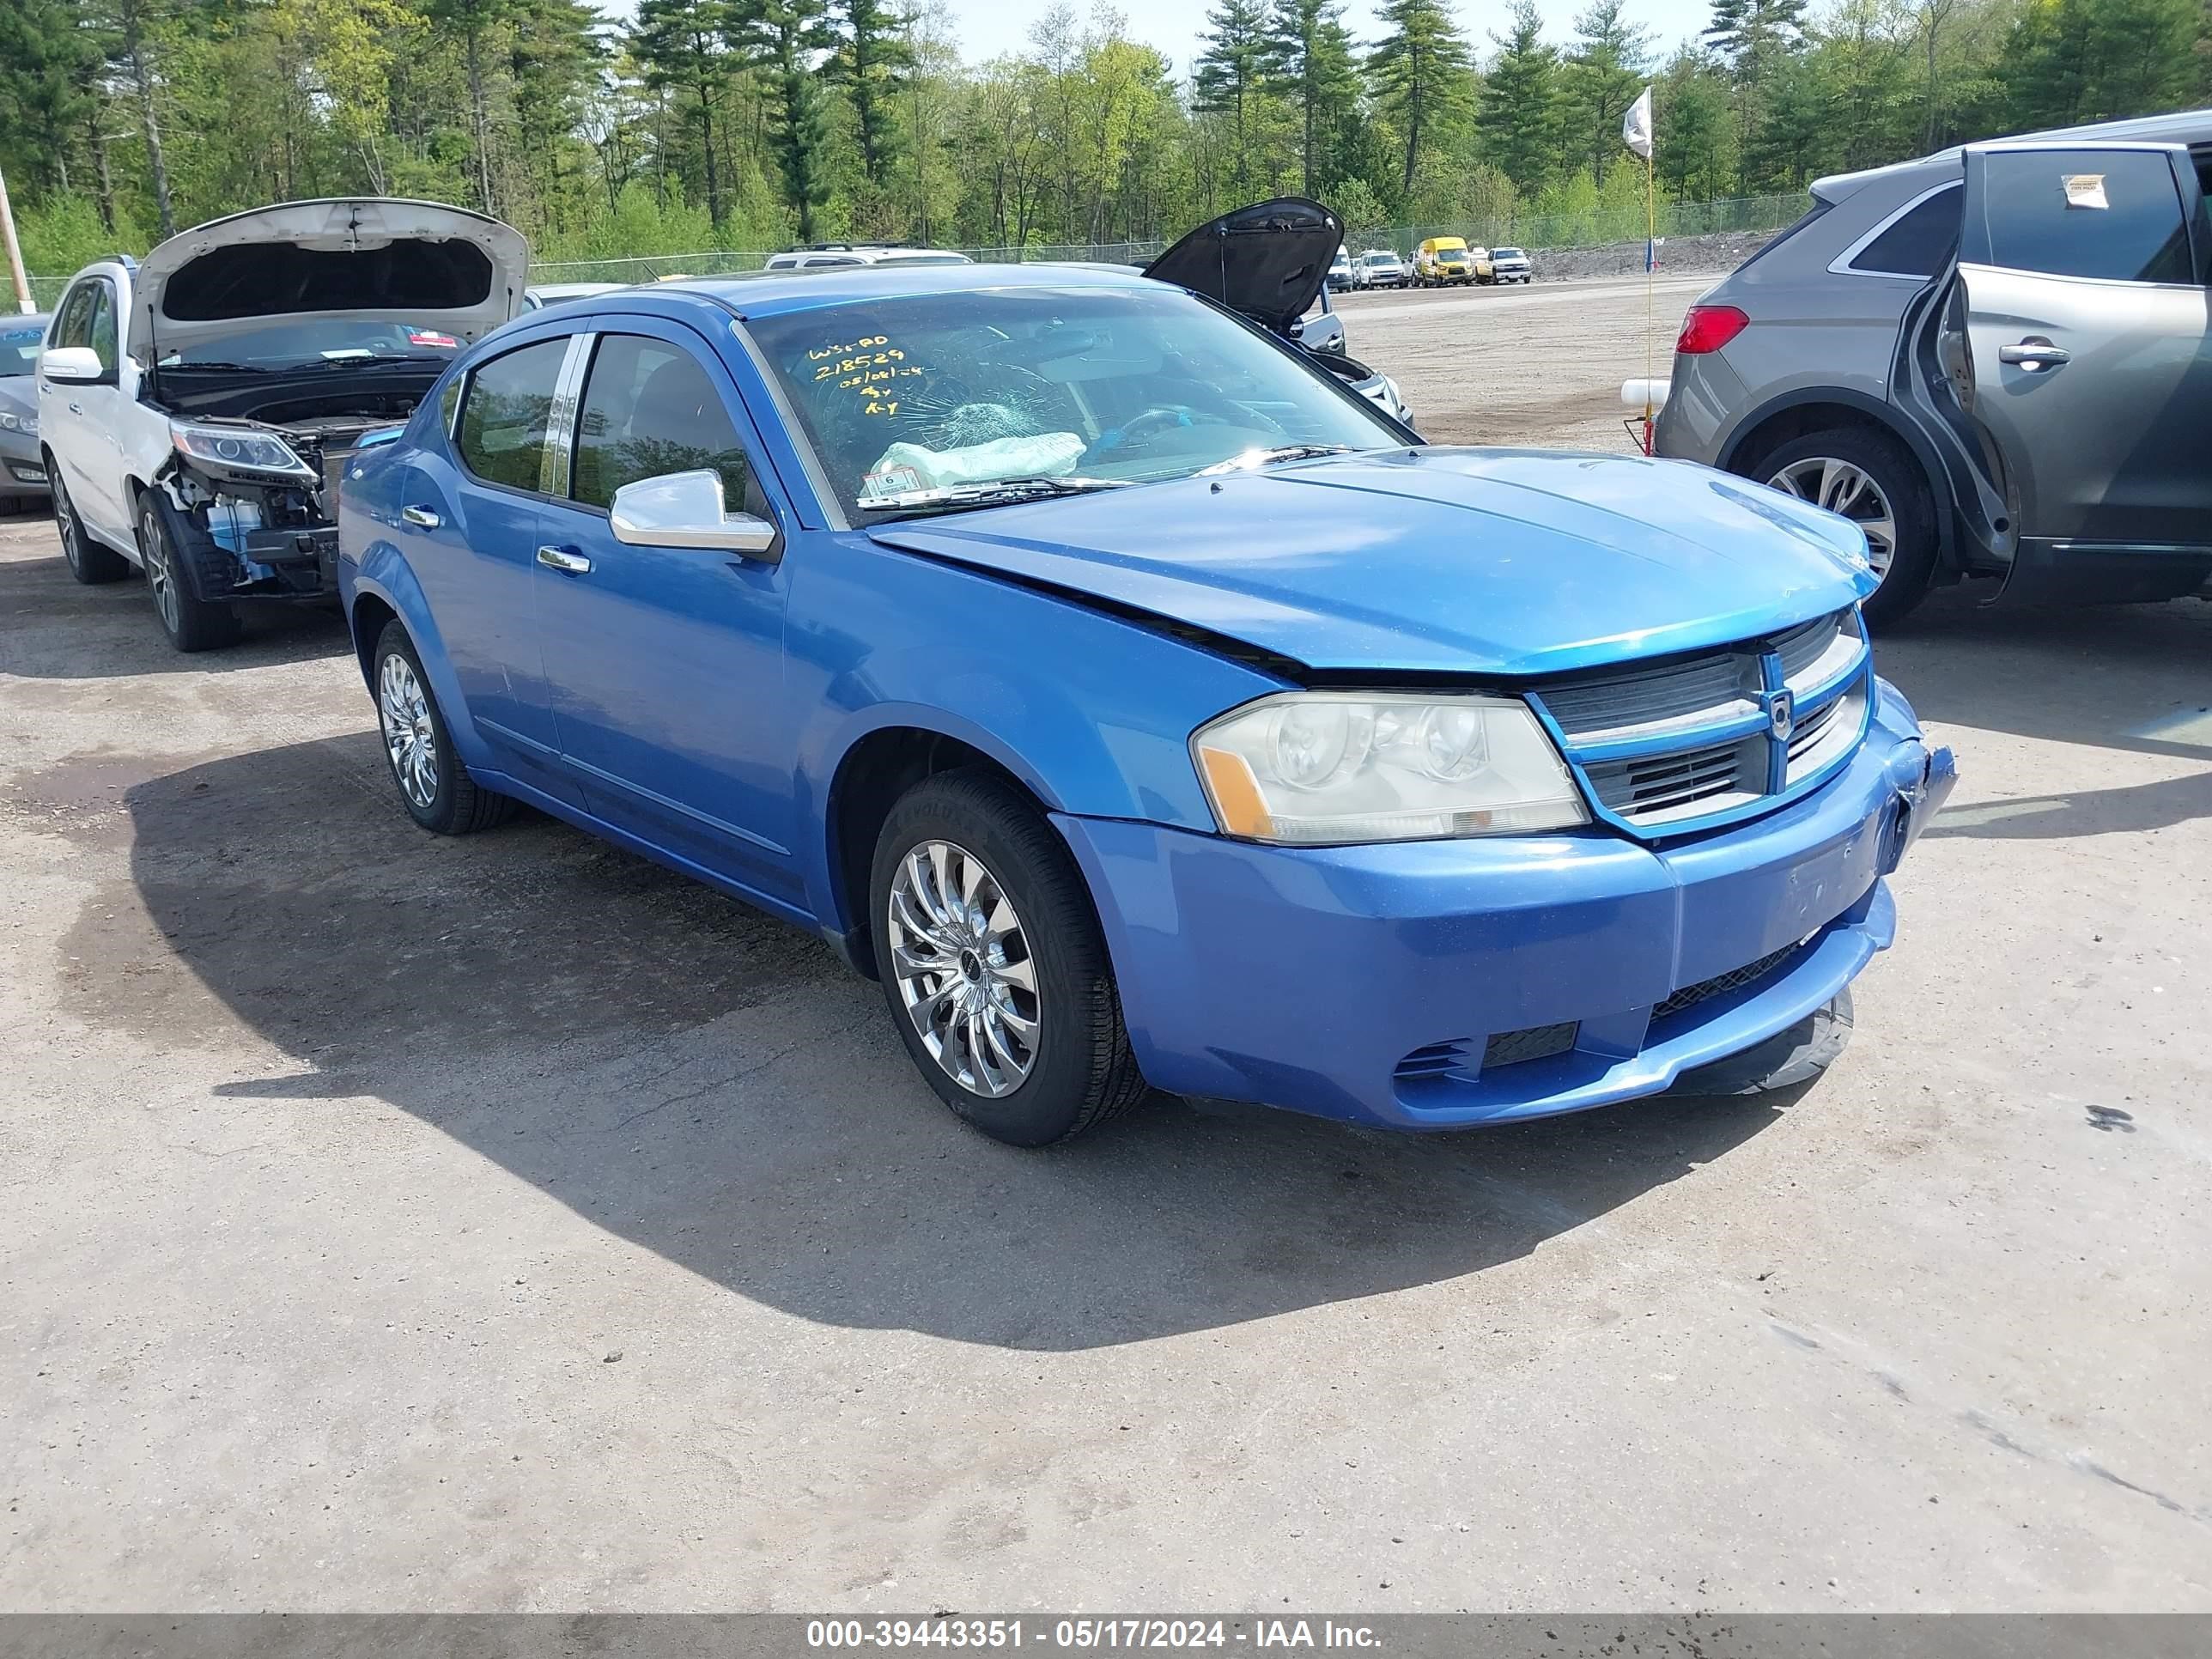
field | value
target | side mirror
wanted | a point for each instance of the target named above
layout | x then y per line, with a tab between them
73	366
685	509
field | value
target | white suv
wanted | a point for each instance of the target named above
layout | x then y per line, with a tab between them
194	410
830	256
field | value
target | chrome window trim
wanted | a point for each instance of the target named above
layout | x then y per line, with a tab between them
555	471
1841	265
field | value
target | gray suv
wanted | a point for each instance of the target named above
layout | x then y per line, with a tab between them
1995	358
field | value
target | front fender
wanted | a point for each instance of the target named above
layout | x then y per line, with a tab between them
1092	713
384	574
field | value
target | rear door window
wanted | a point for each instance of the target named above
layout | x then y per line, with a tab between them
2115	215
649	409
1919	242
507	414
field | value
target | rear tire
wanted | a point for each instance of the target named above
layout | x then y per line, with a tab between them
434	785
1874	481
191	622
89	561
993	963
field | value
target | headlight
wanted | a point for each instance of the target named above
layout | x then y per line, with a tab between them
27	425
1316	767
240	449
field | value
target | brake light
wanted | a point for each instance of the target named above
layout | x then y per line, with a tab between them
1707	328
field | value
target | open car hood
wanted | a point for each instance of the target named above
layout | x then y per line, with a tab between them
1267	261
441	268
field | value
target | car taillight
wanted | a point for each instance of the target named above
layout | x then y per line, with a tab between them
1707	328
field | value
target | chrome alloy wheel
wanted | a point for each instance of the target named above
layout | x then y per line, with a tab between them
408	736
1842	488
963	968
159	575
65	522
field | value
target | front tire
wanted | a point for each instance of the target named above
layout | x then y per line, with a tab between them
191	622
89	561
1871	479
434	785
993	964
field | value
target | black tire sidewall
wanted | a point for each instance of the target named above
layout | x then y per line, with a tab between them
439	816
1075	988
1912	508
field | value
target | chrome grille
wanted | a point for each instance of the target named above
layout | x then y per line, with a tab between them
1683	742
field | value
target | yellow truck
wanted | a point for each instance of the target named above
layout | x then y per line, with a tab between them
1441	261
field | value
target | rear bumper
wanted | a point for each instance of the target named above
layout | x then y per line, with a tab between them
1440	984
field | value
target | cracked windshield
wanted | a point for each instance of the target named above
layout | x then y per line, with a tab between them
921	402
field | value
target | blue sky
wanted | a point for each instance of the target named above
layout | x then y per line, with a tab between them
989	27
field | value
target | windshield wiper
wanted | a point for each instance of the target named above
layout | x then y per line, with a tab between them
952	497
232	368
1256	457
362	359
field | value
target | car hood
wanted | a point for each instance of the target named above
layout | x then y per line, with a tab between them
19	394
1473	562
442	268
1267	261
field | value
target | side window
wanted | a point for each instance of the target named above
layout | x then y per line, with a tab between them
73	322
650	409
1918	244
2114	215
103	325
509	408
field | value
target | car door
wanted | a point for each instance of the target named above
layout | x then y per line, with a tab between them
469	512
106	500
2081	313
61	404
667	662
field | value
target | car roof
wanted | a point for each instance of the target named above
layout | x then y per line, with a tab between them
774	293
2192	126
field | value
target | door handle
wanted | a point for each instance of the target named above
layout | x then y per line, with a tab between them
76	409
420	517
560	559
2034	353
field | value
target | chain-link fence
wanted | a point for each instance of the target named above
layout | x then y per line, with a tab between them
1539	233
1593	228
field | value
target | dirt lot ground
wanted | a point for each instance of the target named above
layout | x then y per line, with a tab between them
395	1224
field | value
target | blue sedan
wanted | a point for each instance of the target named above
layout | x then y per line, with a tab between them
1138	705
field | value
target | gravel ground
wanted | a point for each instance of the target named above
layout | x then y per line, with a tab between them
399	1224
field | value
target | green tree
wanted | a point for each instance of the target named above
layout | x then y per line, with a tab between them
1312	55
1518	113
871	62
1421	72
782	37
1603	73
1237	57
678	46
2072	61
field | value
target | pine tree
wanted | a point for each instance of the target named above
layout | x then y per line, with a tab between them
782	37
678	44
1518	117
1603	74
1422	73
871	64
1312	58
1236	61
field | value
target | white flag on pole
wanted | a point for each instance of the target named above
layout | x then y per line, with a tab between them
1636	126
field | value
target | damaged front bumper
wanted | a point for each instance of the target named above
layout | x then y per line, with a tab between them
243	541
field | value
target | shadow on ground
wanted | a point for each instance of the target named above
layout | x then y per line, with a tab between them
712	1086
52	627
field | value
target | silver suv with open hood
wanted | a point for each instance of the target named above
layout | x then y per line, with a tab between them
196	408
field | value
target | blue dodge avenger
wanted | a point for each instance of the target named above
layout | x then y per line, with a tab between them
1095	669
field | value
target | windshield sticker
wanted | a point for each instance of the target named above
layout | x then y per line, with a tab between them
2085	190
430	337
890	481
